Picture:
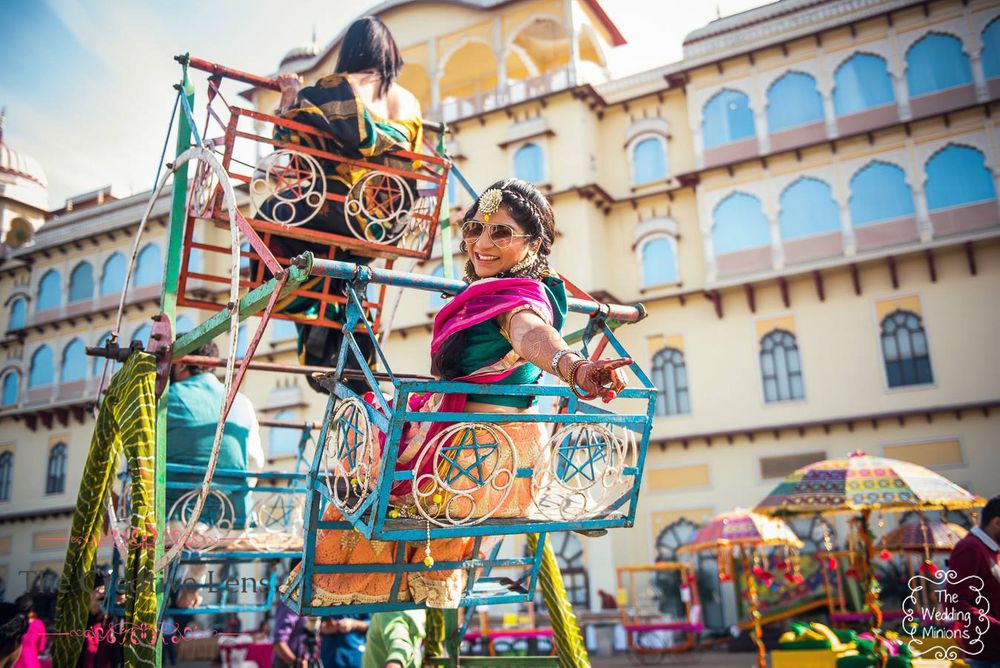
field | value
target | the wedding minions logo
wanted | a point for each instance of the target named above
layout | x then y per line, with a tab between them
938	625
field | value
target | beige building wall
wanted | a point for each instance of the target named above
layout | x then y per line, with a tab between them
732	447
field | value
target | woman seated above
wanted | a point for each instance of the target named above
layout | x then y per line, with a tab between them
504	329
368	115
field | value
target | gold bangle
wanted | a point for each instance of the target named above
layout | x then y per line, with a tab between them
574	388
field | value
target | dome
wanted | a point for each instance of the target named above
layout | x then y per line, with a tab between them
21	177
306	51
18	164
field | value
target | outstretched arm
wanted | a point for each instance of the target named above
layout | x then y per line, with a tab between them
538	342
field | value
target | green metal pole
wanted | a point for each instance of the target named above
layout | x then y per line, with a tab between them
571	649
168	305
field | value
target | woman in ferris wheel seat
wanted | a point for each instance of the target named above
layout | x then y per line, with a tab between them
503	329
367	114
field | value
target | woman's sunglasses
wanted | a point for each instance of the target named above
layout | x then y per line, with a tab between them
501	235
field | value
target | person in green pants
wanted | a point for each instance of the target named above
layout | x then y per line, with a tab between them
395	640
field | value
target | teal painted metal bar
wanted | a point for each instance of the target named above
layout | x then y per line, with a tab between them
250	304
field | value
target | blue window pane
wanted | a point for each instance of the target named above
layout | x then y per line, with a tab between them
528	163
148	266
936	62
81	282
793	100
113	275
649	161
739	224
283	329
659	262
196	260
141	333
10	387
958	175
49	291
41	372
242	342
670	377
18	314
100	361
726	118
904	349
991	49
74	362
879	192
244	259
183	325
781	369
434	300
283	441
452	191
807	208
861	82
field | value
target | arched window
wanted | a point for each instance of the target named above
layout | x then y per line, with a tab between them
780	368
74	362
649	160
99	361
879	192
991	49
148	266
11	385
793	100
81	282
6	475
807	208
18	314
904	347
569	556
726	118
55	479
49	291
670	378
739	224
957	175
141	333
861	82
528	164
284	441
936	62
113	275
659	261
41	371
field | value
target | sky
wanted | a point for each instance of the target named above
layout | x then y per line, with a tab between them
88	84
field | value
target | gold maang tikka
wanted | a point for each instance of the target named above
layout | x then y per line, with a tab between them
490	202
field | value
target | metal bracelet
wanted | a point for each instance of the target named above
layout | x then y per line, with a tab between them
572	380
555	361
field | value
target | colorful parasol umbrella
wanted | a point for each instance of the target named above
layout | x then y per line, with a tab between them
741	527
862	483
743	531
936	536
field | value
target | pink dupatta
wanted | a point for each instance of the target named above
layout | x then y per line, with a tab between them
481	301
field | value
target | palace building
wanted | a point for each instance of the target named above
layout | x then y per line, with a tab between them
806	204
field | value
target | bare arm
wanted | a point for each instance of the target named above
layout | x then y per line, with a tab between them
537	341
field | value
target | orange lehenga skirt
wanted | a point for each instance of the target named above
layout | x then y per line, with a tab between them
435	588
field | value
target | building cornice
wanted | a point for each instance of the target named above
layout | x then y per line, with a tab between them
827	424
41	514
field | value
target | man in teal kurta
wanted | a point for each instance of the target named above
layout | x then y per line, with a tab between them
194	404
395	640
